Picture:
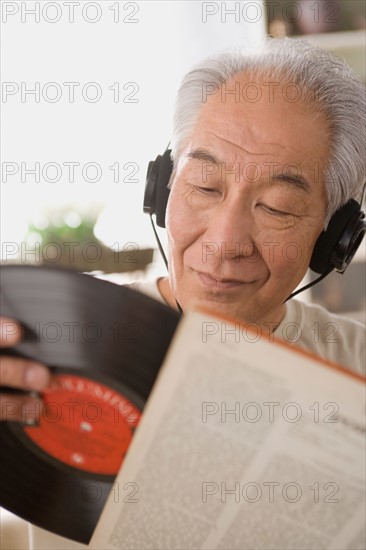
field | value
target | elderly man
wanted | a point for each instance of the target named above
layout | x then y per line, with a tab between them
266	148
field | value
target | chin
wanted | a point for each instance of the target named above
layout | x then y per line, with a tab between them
220	305
239	309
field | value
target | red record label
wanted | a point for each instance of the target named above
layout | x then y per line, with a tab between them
85	424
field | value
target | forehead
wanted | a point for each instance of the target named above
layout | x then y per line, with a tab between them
248	119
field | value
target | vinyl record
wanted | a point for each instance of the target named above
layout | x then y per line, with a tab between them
105	344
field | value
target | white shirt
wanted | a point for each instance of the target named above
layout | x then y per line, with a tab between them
333	337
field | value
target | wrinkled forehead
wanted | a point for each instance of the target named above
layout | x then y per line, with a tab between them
251	118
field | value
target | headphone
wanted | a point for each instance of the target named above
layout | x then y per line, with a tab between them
334	249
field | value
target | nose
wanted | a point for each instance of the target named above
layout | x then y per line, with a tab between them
231	229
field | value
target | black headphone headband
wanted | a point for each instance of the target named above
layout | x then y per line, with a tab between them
334	248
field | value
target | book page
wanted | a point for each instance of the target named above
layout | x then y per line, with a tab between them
242	445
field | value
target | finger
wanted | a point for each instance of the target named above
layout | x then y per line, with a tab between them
17	372
10	332
20	408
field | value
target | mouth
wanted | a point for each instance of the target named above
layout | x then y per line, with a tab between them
217	283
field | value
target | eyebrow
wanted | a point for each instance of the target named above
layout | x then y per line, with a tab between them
291	179
204	156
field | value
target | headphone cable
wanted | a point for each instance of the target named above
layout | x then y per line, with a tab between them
163	256
310	284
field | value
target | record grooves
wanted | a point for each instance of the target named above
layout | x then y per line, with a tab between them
57	475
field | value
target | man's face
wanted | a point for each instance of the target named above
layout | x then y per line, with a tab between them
247	204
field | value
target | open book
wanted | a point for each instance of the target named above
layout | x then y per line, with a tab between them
243	443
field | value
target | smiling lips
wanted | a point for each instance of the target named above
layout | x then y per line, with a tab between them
215	283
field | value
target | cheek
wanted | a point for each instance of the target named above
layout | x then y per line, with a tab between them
287	255
179	235
183	226
175	223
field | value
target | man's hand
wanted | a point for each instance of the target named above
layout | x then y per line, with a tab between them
20	374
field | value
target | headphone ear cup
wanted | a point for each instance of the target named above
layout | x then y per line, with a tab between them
337	245
156	186
150	186
163	192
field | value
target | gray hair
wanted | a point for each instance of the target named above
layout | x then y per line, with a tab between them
328	84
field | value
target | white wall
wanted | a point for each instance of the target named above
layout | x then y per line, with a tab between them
151	45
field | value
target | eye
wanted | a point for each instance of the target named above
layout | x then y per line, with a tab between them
273	211
206	190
